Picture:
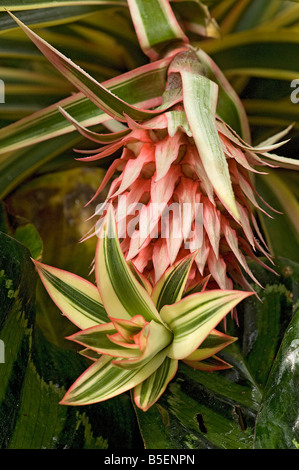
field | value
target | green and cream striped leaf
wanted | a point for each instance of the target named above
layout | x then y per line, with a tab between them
102	380
121	293
95	136
209	364
34	4
142	280
90	354
229	105
157	338
97	339
213	343
193	318
143	86
170	287
200	102
155	24
196	18
282	162
48	16
78	299
97	93
150	390
177	120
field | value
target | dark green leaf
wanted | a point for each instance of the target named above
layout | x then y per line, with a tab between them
29	236
277	421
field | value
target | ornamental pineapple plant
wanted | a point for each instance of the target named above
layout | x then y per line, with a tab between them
179	139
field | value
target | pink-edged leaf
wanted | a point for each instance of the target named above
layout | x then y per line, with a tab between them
90	354
102	381
155	24
231	108
129	328
213	343
142	87
97	93
154	338
200	99
150	390
97	339
170	287
210	364
94	136
79	300
193	318
121	293
143	281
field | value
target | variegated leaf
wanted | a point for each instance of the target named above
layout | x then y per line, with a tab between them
177	120
150	390
194	317
97	339
155	24
200	101
77	298
122	294
97	93
90	354
102	381
140	278
143	86
210	364
157	338
213	343
33	4
94	136
170	287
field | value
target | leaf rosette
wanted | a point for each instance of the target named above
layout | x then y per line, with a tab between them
135	333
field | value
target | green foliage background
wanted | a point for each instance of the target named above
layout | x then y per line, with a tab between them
43	215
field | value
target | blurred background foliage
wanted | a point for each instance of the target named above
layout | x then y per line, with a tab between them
44	213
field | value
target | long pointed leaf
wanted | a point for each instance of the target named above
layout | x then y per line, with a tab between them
170	287
94	136
102	381
194	317
143	86
200	98
122	295
32	4
209	364
213	343
150	390
157	338
229	106
155	24
96	338
77	298
200	103
93	90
